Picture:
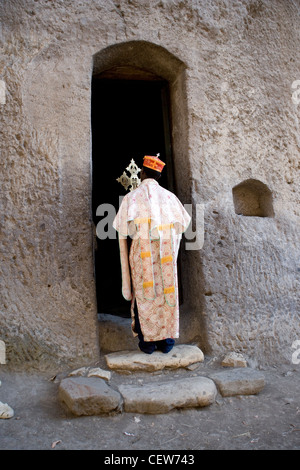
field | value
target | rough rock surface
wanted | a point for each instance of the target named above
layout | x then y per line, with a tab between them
234	98
181	356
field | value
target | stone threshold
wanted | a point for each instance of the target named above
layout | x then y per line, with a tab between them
181	355
90	395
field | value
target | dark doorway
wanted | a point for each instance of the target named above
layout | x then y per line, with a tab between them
130	119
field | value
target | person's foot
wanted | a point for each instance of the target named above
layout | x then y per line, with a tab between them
165	345
166	349
147	348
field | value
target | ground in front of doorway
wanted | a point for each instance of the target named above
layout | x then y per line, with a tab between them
268	420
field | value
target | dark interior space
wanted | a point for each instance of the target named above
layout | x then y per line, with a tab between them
130	119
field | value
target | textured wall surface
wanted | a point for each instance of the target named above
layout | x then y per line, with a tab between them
238	122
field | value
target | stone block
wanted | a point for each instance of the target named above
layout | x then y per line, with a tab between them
88	396
162	397
240	381
181	355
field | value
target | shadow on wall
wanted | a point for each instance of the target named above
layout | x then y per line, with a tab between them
253	198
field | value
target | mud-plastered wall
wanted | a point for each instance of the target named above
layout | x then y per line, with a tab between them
238	158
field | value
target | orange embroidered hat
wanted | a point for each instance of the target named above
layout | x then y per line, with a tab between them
154	163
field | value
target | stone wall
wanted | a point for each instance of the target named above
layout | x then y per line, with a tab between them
234	121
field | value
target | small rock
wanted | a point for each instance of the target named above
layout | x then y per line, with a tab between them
91	372
80	372
234	359
101	373
193	366
6	411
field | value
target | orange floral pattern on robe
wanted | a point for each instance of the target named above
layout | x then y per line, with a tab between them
155	219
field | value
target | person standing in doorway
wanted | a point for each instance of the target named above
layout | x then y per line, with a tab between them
155	219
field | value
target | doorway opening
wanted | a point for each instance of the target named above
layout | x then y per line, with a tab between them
130	119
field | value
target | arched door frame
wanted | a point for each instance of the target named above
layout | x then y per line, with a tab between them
144	60
150	60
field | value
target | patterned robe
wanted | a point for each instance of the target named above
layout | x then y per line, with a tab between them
155	219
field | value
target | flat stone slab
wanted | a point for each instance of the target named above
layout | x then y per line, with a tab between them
181	355
240	381
165	396
88	396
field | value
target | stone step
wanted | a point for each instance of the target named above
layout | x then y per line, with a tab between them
164	396
94	396
154	394
240	381
88	396
181	355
